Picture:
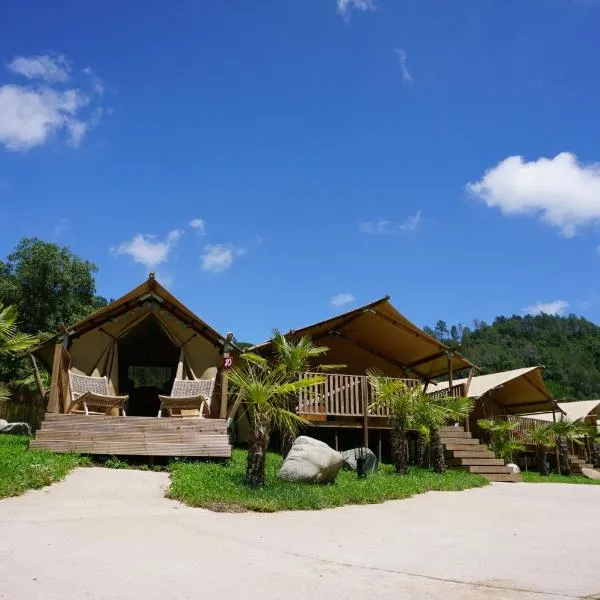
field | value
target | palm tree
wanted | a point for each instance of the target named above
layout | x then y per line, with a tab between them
543	437
295	357
421	450
566	431
400	401
502	444
435	411
266	390
12	341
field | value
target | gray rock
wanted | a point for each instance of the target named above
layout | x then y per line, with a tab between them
513	468
16	428
591	473
349	458
310	461
3	423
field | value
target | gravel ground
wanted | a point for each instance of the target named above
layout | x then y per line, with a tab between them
105	533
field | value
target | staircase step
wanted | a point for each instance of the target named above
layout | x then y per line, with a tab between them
447	435
452	428
479	452
460	440
460	445
486	469
143	436
459	462
509	478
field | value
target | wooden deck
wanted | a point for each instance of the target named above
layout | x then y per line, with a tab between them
133	436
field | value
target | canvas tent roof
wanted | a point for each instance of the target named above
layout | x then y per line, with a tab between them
518	391
572	410
377	335
92	336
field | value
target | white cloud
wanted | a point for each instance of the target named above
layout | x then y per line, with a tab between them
381	226
342	299
60	228
406	74
29	117
219	257
148	250
32	114
556	307
345	6
412	223
199	225
562	191
48	68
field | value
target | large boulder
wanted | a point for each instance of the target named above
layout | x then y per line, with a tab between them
16	428
310	461
3	423
349	458
591	473
513	468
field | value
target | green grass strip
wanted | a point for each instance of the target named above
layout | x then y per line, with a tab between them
220	486
22	469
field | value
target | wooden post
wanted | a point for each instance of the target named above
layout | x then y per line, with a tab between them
335	437
224	393
234	408
36	374
467	386
379	448
54	400
365	408
225	376
450	378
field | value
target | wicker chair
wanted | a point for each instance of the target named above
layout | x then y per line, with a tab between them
188	394
91	396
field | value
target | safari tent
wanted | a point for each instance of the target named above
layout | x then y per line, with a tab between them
506	395
142	343
374	336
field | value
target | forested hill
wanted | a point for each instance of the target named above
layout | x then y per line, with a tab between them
568	347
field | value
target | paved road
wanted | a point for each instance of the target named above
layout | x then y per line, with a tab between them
107	534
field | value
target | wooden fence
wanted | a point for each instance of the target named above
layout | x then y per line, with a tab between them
349	396
26	407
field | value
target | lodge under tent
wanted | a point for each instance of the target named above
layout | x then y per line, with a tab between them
375	336
141	344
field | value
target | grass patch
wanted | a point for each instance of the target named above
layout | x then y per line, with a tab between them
530	477
220	486
22	469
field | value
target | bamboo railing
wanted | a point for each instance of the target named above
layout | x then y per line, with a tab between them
349	396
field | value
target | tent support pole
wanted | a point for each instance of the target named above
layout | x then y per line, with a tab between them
450	378
36	374
365	407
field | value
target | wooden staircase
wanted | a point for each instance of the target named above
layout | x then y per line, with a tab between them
577	464
129	436
469	454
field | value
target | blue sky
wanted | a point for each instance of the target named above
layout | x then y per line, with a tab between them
279	161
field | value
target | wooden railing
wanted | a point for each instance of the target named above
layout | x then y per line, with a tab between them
349	396
523	427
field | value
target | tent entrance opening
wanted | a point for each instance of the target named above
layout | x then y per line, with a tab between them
148	361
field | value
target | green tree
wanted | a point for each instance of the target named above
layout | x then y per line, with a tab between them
12	341
49	285
400	401
295	357
502	443
566	431
265	390
433	412
441	330
543	437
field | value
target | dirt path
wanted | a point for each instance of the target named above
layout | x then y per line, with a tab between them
104	534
